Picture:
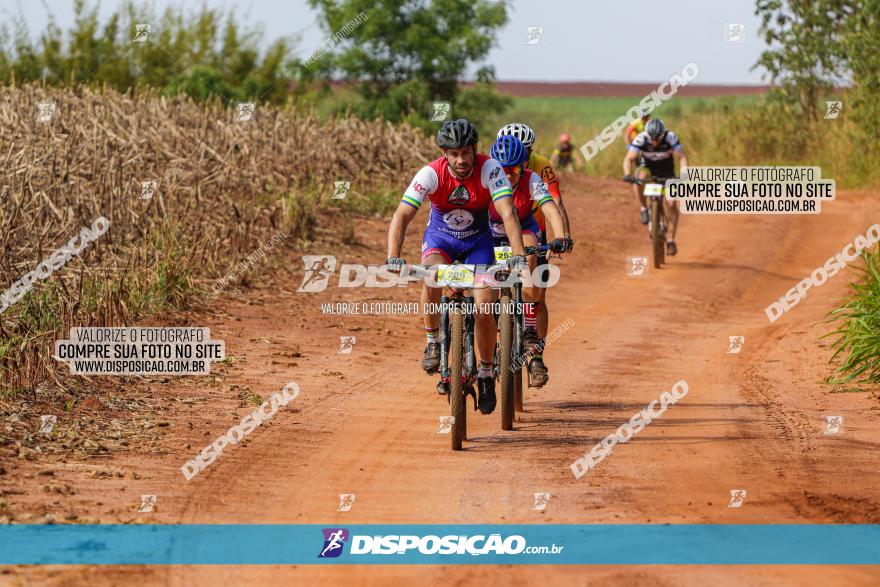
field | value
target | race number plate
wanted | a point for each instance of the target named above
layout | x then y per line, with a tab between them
654	189
456	275
502	254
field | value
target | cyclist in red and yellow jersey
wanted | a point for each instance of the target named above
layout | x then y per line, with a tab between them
534	338
634	128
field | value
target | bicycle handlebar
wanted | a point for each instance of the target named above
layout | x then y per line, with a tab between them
425	271
637	181
536	249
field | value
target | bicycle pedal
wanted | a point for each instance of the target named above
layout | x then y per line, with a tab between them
532	384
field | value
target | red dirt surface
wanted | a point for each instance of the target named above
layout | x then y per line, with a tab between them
366	422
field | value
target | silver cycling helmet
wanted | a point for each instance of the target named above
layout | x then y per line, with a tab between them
521	131
655	128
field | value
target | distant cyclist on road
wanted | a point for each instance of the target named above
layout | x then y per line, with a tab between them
565	156
461	185
656	150
541	165
528	189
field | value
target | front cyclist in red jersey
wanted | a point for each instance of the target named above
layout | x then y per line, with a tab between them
461	185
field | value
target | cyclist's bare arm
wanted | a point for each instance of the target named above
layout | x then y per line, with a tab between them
397	230
505	209
554	216
556	193
682	159
628	160
564	216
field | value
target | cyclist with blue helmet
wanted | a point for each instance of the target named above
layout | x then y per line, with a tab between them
528	188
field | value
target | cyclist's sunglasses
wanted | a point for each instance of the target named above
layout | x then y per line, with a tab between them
514	169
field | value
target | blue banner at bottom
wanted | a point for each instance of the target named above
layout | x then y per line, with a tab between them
631	544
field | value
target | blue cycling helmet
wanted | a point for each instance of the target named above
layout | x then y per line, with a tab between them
508	150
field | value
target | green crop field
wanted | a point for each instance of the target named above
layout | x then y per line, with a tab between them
584	117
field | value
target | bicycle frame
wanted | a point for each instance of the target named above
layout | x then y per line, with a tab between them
458	299
457	341
453	298
654	191
513	294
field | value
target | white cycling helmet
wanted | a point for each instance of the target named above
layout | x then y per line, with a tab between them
521	131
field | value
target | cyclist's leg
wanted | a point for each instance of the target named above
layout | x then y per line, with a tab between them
431	295
666	169
537	315
543	315
499	239
672	214
641	172
531	239
485	330
435	250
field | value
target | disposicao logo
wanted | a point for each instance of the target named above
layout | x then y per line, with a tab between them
334	540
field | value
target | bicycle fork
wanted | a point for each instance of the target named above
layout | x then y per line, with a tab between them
444	339
469	353
518	344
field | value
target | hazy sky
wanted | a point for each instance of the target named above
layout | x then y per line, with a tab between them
590	40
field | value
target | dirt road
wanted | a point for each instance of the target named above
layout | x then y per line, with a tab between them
366	423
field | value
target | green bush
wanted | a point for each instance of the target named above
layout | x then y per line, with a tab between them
857	340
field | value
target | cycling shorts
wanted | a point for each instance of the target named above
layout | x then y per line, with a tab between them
659	169
475	250
528	226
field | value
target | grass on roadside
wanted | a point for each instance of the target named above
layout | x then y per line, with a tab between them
857	338
722	130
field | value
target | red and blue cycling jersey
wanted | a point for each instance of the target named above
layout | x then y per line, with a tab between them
458	228
459	208
530	190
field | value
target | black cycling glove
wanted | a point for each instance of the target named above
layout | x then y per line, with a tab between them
559	245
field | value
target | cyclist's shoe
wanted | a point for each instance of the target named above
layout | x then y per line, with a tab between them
538	375
671	249
431	362
486	400
644	216
530	339
443	387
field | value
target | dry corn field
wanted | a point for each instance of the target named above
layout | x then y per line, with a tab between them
223	187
